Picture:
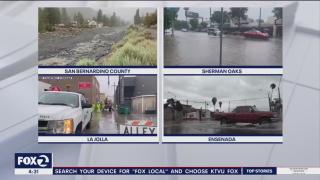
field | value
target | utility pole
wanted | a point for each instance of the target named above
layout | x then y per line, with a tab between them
116	97
186	14
114	88
221	29
172	23
229	107
269	101
259	18
205	105
210	17
187	21
119	91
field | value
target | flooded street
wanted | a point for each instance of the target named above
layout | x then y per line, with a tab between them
214	127
103	123
198	48
106	122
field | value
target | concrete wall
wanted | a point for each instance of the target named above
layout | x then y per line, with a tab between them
129	87
144	104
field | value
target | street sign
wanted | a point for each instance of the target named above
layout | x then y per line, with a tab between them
127	129
191	14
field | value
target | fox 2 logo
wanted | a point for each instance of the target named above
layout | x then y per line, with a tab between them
33	160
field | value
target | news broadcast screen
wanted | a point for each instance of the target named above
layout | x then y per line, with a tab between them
160	90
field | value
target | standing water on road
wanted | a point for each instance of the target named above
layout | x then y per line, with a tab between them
198	48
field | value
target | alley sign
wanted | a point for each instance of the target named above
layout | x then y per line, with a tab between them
127	129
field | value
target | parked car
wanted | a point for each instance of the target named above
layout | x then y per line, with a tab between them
255	34
245	114
214	31
63	112
237	33
168	31
108	105
184	30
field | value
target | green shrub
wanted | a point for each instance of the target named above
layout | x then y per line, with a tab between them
86	62
136	48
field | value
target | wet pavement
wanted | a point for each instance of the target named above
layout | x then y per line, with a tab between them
103	123
106	122
198	48
214	127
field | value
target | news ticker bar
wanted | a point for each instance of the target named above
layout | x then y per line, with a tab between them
155	139
170	171
154	71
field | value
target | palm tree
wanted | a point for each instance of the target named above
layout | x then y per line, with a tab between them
272	86
238	13
214	101
277	12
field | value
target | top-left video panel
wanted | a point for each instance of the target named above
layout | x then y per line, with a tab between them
97	36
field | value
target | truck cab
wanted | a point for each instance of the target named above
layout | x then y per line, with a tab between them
63	112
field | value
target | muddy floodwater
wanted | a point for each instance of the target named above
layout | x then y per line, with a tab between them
198	48
69	46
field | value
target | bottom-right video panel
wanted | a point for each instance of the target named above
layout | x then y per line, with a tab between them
222	109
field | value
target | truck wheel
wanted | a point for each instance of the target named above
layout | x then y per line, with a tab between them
89	123
79	129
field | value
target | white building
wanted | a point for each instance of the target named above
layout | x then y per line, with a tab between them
100	25
74	24
198	114
92	24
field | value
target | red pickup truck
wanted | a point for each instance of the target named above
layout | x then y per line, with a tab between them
244	114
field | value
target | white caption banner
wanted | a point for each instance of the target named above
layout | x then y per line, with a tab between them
299	170
33	171
223	139
222	71
97	71
97	139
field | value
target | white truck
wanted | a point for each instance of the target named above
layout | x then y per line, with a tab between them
63	112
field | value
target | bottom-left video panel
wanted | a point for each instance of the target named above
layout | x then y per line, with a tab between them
98	109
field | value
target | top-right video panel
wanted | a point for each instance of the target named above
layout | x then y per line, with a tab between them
236	36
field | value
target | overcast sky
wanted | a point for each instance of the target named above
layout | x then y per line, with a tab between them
126	14
224	88
205	12
106	88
